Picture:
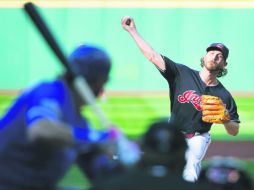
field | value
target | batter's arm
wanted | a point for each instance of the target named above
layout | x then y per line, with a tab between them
129	25
232	127
54	133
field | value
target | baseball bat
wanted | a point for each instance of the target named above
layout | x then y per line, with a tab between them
79	82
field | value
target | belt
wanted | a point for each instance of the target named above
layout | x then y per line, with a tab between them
190	135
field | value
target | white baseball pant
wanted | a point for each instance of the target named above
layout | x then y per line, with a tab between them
197	147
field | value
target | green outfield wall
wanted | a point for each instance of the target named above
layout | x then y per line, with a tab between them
182	34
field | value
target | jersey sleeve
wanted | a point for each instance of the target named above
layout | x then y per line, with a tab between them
45	108
232	109
45	102
171	71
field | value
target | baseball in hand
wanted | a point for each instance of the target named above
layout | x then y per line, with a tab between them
128	22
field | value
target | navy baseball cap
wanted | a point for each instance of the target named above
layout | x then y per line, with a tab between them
219	46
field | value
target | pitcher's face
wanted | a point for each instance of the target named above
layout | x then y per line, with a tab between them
214	60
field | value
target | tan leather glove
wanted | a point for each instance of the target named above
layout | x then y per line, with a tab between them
213	110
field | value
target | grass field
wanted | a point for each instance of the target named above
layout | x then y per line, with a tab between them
134	113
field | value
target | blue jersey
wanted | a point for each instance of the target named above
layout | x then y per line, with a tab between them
26	165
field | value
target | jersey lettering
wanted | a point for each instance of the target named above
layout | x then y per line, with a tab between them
189	96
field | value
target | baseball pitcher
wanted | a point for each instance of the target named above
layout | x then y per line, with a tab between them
197	98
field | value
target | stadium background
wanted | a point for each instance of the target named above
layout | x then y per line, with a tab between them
137	93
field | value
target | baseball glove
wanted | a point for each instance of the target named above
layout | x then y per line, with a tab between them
213	110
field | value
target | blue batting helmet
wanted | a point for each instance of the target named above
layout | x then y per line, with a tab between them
91	62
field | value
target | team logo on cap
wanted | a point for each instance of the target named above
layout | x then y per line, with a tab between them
219	45
189	96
